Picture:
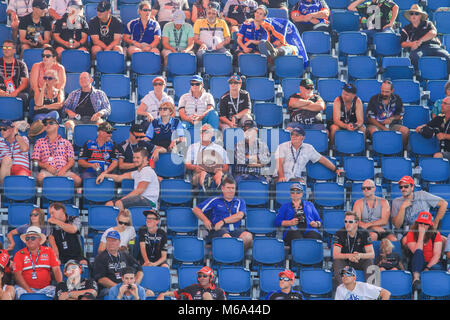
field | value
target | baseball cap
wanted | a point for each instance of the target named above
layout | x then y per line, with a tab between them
113	234
306	83
350	88
106	126
298	130
41	4
152	211
71	261
425	217
407	180
287	273
103	6
137	128
214	5
178	17
297	186
348	271
6	124
197	78
161	79
236	78
205	270
4	258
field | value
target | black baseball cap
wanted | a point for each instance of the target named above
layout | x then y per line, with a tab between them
306	83
152	211
137	128
104	6
350	88
106	126
41	4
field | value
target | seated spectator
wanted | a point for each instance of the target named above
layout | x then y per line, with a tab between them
235	105
348	112
406	209
128	289
71	31
292	157
35	28
439	127
178	36
108	265
373	212
388	260
252	32
48	100
206	159
420	37
199	10
437	107
166	131
305	107
299	217
236	12
13	74
16	10
211	34
54	155
35	264
425	245
376	16
127	148
7	291
57	8
252	156
222	215
277	4
49	62
385	112
37	219
166	8
311	15
352	246
152	241
286	291
99	155
149	107
197	106
105	30
75	286
142	34
126	230
65	237
86	105
146	183
14	157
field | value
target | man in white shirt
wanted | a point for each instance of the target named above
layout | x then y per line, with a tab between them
350	289
146	183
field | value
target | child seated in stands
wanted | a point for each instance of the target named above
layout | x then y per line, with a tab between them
388	260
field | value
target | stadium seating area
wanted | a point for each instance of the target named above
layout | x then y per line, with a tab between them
344	55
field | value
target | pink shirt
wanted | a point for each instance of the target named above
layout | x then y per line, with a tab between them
56	154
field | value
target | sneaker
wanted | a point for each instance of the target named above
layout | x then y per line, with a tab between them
271	49
417	286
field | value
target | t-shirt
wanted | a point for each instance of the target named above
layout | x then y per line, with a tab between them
109	266
199	154
193	105
195	292
409	33
349	244
135	29
20	72
20	7
240	10
249	31
125	150
377	14
295	160
362	291
380	112
280	295
69	244
125	236
230	106
105	31
85	284
213	34
18	157
147	174
166	8
217	208
427	247
304	116
154	244
26	23
103	155
152	102
84	106
178	38
68	30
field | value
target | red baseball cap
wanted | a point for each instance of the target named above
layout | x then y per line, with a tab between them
206	270
4	258
425	217
407	180
287	273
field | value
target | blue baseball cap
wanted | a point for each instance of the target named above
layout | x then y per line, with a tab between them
113	234
297	186
197	78
6	124
348	271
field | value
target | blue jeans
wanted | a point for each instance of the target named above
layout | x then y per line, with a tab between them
288	50
429	50
418	262
211	118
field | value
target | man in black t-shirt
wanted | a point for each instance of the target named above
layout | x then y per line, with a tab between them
74	286
352	246
235	105
152	241
35	28
105	30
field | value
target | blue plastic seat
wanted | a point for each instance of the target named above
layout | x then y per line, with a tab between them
405	4
442	22
387	143
273	137
440	190
180	63
128	12
435	284
324	66
12	108
116	86
338	4
255	193
181	85
318	172
261	222
307	252
218	64
344	21
421	146
260	89
289	67
187	275
144	84
72	82
415	116
169	165
333	220
394	168
408	90
433	5
268	114
181	222
122	111
328	194
34	296
277	13
367	88
318	139
267	252
84	132
90	10
60	189
317	42
187	250
329	89
3	15
445	225
5	33
362	67
137	216
110	62
227	251
175	192
268	280
433	68
252	65
156	279
76	60
352	43
359	168
97	193
349	142
289	86
146	63
437	90
218	86
398	72
434	170
446	41
102	217
19	214
19	189
316	282
32	56
387	44
235	281
121	133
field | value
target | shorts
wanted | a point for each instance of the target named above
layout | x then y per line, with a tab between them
219	233
48	174
17	170
137	201
49	291
392	127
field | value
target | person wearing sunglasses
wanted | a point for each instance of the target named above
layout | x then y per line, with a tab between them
75	286
204	289
420	37
126	230
406	209
16	10
35	28
305	107
71	30
49	100
373	212
286	291
14	152
352	246
350	289
152	241
37	219
150	103
35	265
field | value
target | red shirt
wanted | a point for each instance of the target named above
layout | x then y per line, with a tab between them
46	261
427	247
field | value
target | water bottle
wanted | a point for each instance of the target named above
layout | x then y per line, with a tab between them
36	37
35	167
70	43
77	117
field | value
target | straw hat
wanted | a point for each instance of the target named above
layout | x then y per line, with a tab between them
415	8
36	128
33	231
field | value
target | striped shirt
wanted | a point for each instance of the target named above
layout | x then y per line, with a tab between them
56	154
18	157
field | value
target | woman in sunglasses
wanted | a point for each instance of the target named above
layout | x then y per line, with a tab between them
37	219
49	99
126	230
49	62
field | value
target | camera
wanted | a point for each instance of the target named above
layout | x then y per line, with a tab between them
130	287
300	215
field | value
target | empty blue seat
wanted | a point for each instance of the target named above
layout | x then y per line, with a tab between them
349	142
338	4
387	44
333	220
317	42
76	60
227	251
181	85
267	251
169	165
110	62
421	146
98	193
156	279
433	5
434	169
102	217
218	86
32	56
122	111
19	188
324	66
289	86
433	68
217	64
328	194
408	90
61	189
367	88
235	281
12	108
437	90
435	284
5	33
252	65
255	193
445	223
90	10
175	192
362	67
277	13
442	22
260	89
398	72
394	168
187	250
318	172
84	132
316	282
329	89
261	222
405	4
35	296
440	190
146	63
121	133
181	221
318	139
72	82
116	85
268	114
387	143
289	67
344	21
128	12
19	214
359	168
307	252
180	63
352	42
415	116
144	84
187	275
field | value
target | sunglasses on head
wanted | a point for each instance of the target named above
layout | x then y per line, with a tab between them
349	221
32	238
195	84
284	279
48	78
158	84
124	223
366	188
47	56
405	186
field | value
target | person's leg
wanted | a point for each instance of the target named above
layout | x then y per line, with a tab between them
5	168
405	133
247	237
312	235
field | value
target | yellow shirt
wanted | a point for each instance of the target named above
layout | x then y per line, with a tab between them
211	34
